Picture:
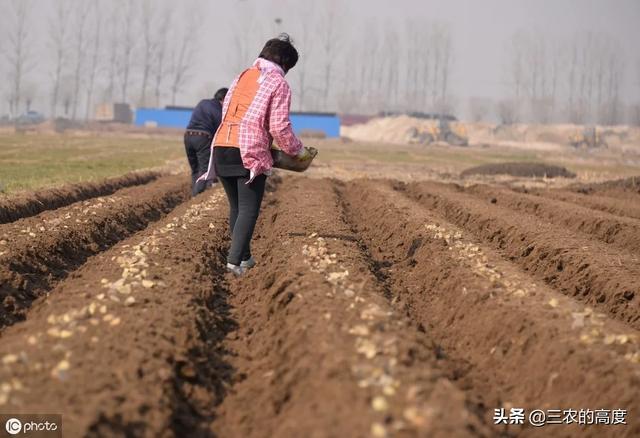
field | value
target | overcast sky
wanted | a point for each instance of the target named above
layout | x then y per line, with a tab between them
480	32
480	28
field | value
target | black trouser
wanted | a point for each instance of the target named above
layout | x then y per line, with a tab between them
244	208
198	148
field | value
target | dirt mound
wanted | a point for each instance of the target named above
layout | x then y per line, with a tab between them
525	170
631	184
529	137
384	129
316	334
395	130
30	204
623	204
607	227
37	252
127	346
572	263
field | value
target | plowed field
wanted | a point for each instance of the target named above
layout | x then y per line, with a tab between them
377	308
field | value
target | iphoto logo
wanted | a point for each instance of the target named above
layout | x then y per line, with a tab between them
31	426
13	426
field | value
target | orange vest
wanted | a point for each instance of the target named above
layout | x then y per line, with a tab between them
244	92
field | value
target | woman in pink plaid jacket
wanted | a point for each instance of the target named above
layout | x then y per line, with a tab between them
254	115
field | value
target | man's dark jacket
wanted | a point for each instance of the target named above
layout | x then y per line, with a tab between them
206	116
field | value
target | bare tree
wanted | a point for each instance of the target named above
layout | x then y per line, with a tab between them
435	66
159	68
571	85
417	63
18	54
58	26
330	25
241	52
556	66
29	94
94	58
80	21
180	66
442	57
479	109
351	95
113	55
638	78
424	62
148	48
600	79
393	78
387	96
182	51
613	114
508	111
635	114
244	28
636	107
585	79
66	94
538	81
304	39
445	104
126	43
366	64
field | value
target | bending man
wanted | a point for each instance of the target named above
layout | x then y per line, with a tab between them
204	123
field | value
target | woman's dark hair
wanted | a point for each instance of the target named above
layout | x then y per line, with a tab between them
220	94
280	51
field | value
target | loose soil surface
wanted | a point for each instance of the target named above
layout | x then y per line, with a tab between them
377	308
30	204
514	340
631	185
616	202
608	227
36	252
576	264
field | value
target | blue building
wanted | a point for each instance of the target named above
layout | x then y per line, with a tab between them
178	117
169	117
311	123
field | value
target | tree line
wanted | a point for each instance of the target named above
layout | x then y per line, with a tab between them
127	52
143	52
351	65
578	81
386	65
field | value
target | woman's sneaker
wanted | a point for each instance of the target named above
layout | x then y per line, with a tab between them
235	269
248	264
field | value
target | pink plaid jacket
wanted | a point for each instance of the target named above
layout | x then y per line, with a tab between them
265	121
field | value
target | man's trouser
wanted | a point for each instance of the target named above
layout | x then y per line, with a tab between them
244	208
198	148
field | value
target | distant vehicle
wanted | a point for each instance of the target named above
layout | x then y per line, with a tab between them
588	139
30	118
439	130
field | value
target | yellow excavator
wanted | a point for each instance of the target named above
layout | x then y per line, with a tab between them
440	130
589	138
